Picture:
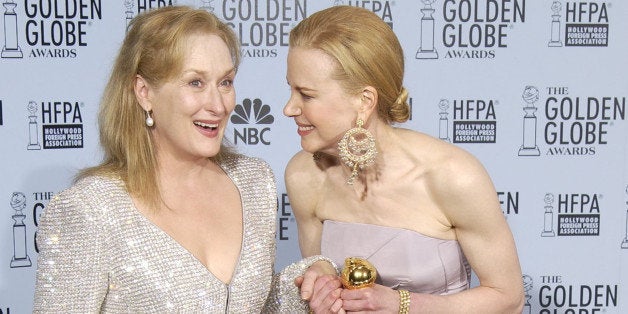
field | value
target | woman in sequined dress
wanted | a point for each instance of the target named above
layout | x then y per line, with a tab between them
422	211
171	220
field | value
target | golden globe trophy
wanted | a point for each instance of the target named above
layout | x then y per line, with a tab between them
129	13
555	36
443	121
426	48
11	48
33	136
207	5
20	254
529	148
548	218
358	273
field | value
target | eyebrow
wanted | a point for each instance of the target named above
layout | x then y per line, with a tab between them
300	88
225	73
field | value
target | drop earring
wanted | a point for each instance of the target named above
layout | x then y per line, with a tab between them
357	149
149	120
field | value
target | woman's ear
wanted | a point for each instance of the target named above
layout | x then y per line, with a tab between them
368	101
142	92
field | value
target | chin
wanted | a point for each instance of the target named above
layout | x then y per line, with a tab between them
309	148
317	148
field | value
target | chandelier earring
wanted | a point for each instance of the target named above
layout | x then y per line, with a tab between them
149	120
357	149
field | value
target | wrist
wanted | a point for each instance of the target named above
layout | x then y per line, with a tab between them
326	267
323	263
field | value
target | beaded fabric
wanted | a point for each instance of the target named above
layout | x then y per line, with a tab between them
284	296
99	254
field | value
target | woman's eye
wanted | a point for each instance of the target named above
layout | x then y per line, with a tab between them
226	83
196	83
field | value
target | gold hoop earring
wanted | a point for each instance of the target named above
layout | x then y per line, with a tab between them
357	149
149	120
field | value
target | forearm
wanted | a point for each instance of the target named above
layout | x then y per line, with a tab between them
476	300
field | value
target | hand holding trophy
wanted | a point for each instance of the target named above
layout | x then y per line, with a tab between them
358	273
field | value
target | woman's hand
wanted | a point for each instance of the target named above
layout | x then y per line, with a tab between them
321	287
375	299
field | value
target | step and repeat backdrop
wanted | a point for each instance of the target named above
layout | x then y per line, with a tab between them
535	89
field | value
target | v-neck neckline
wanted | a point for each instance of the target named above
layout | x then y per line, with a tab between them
173	242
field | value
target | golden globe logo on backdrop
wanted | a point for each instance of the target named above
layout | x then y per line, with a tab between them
471	29
262	26
50	29
579	24
60	124
557	122
557	294
26	209
474	120
572	214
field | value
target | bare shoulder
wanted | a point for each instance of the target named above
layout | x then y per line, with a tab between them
303	180
300	166
451	172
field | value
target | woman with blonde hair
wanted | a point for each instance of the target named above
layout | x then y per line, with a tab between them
418	212
171	220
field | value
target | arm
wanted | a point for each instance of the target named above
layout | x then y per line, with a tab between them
71	276
319	284
464	191
303	183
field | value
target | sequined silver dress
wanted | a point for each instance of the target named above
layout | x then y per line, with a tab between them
99	254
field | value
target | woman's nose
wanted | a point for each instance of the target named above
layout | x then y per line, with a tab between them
292	108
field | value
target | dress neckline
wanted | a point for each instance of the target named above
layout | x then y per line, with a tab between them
329	222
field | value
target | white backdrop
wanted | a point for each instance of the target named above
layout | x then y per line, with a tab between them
535	89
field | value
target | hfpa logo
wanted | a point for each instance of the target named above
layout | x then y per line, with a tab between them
252	112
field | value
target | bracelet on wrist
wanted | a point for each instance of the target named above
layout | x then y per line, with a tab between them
404	301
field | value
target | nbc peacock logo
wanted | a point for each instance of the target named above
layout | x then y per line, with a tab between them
255	118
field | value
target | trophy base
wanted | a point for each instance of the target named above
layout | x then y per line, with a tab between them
21	262
548	234
11	53
426	54
624	244
555	44
526	151
33	147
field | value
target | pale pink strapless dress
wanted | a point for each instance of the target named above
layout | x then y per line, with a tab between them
404	259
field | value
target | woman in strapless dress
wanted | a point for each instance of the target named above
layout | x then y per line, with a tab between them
424	212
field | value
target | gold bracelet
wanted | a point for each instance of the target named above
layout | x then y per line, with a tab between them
404	302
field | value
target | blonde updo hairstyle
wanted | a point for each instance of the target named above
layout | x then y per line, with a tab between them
366	51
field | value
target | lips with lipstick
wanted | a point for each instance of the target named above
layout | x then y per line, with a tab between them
304	129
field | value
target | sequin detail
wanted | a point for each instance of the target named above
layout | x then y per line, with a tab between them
285	297
99	254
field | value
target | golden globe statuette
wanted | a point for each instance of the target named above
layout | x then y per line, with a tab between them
358	273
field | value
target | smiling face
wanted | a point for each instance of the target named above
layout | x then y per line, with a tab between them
192	108
322	110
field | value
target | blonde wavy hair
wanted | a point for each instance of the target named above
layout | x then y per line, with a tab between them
153	48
